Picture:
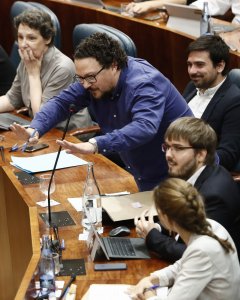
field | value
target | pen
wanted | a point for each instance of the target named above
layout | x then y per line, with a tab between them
31	136
151	288
73	277
115	194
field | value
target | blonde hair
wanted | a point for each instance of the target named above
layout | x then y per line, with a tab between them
183	204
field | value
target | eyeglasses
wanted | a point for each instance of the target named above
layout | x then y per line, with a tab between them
175	148
90	78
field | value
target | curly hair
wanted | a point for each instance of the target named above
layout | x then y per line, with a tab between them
103	48
38	20
197	132
183	204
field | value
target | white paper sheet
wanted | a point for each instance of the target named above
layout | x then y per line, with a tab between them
45	162
116	292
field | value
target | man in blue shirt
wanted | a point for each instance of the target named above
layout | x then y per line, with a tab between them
133	104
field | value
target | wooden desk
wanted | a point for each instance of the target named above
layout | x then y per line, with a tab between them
69	183
162	47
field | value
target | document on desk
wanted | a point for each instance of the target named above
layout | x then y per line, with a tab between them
116	292
126	207
45	162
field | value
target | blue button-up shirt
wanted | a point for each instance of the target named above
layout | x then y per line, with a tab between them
133	120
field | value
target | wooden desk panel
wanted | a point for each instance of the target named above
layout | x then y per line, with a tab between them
19	236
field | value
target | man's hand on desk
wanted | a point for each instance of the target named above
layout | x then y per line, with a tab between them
84	148
143	227
23	133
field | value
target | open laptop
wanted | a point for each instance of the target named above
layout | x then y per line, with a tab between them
100	4
184	18
116	247
7	119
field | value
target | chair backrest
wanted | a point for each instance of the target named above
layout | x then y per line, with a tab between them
81	31
17	8
234	76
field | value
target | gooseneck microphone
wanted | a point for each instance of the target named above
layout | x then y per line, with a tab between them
72	109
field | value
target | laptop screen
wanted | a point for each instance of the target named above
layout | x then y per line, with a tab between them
94	240
184	18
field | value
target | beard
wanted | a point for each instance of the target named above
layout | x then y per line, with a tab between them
201	82
103	95
185	172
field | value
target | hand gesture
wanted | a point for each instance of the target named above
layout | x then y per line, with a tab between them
143	227
23	134
84	148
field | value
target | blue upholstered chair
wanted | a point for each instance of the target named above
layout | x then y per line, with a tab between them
17	8
81	31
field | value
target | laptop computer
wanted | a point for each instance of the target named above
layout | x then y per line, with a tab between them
184	18
7	119
100	4
115	247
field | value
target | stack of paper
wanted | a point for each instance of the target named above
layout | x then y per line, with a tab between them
45	162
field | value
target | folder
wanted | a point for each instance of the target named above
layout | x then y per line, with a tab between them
120	208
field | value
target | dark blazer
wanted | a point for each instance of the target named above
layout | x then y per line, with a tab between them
222	204
223	114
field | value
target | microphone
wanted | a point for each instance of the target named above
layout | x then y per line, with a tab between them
72	109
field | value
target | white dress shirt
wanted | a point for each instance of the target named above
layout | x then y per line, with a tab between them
199	102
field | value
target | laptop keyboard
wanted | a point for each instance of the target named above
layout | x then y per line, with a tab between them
121	246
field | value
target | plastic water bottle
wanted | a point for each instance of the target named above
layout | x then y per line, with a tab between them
92	204
205	24
46	268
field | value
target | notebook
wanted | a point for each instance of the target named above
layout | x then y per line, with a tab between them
100	4
116	247
184	18
7	119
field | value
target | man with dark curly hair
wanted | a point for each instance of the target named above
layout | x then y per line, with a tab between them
133	104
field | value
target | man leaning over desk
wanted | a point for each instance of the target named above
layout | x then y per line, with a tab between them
133	103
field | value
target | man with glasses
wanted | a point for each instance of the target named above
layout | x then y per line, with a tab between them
190	146
132	101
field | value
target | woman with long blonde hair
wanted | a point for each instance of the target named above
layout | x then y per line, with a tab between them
209	267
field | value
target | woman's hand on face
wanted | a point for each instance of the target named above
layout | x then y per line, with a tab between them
32	63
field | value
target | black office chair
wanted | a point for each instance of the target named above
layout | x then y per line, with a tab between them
234	76
17	8
81	31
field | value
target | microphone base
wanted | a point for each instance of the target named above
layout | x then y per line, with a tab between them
59	219
72	266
